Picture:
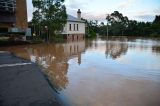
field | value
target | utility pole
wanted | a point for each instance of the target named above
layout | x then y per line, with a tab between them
107	18
47	36
107	29
38	20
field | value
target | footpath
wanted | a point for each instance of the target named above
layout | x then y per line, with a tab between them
23	84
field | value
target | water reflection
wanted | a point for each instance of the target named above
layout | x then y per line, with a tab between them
112	70
116	49
52	57
54	61
156	49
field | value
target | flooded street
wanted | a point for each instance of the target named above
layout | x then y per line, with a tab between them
114	71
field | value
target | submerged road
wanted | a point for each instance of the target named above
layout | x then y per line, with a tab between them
23	84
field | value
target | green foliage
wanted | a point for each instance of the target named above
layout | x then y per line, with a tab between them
92	34
91	29
155	34
57	38
157	19
118	22
121	25
49	15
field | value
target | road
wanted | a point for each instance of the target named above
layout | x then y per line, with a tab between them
23	84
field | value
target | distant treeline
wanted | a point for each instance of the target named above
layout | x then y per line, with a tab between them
119	25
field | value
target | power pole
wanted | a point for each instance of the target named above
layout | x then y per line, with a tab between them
38	20
107	29
107	18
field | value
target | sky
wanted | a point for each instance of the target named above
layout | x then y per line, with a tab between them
140	10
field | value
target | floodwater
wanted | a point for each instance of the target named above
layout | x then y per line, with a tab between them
114	71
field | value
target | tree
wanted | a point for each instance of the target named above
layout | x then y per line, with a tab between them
50	13
156	26
91	28
37	17
157	19
118	22
121	25
132	28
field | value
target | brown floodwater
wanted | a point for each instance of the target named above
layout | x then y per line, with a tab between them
114	71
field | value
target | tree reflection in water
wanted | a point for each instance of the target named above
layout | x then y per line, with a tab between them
115	47
54	59
156	49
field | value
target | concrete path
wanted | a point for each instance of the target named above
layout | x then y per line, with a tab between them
23	84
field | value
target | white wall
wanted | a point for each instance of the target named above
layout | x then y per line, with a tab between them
81	28
73	48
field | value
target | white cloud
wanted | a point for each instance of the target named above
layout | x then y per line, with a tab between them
94	16
157	11
126	3
143	16
97	10
76	4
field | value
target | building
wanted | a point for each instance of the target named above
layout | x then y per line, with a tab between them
74	28
13	13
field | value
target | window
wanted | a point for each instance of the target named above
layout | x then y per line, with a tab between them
74	27
70	27
77	27
7	5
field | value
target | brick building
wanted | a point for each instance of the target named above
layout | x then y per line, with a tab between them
13	13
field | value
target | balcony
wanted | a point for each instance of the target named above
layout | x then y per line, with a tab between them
7	6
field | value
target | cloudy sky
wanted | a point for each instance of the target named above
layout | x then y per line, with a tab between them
140	10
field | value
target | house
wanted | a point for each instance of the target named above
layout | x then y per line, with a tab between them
74	29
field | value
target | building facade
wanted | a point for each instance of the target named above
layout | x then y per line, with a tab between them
13	13
74	28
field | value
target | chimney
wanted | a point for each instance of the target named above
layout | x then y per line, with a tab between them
79	14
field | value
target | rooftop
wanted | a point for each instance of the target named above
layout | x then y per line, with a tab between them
74	19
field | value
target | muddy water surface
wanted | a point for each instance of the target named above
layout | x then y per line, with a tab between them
102	72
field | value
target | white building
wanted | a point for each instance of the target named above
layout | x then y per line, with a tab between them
74	28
